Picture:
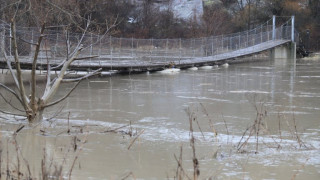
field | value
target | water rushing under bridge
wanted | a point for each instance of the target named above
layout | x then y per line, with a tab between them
143	54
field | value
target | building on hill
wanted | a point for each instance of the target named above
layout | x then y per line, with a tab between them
184	9
187	9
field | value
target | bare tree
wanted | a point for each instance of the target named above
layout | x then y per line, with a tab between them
33	105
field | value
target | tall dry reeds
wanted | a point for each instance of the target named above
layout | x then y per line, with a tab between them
18	167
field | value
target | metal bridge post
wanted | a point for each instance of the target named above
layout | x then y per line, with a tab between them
273	27
261	33
267	30
247	38
31	45
137	45
292	28
166	53
151	48
111	49
212	47
222	42
99	52
180	49
255	36
91	49
3	37
120	46
56	47
10	41
229	44
239	40
132	47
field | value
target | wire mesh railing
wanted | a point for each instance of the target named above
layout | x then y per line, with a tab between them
113	51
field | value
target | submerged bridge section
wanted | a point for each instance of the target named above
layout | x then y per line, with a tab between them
131	54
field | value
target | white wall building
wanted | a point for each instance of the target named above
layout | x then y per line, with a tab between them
185	9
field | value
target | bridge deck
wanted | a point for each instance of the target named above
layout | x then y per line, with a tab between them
238	53
135	63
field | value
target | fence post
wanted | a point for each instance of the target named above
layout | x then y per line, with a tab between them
31	44
99	52
2	45
150	55
248	38
91	49
239	40
180	49
166	51
222	42
55	47
137	45
229	47
281	32
261	33
212	47
119	50
292	28
268	30
132	48
202	45
111	49
273	27
193	48
10	45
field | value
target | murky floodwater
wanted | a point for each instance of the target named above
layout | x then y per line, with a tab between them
223	100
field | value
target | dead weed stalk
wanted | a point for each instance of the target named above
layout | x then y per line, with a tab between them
18	167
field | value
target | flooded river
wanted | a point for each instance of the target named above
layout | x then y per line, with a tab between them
151	107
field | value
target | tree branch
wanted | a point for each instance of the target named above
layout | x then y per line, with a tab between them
96	72
114	24
78	80
8	102
10	113
18	68
63	98
34	66
84	58
48	95
59	65
11	91
83	34
10	67
48	78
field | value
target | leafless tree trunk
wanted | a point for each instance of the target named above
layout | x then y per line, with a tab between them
34	106
32	102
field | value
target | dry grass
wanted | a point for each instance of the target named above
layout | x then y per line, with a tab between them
17	167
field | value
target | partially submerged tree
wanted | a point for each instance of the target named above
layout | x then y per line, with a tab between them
33	105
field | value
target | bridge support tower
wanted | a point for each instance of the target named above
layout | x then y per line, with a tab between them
287	51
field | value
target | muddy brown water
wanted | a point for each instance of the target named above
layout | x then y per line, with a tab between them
155	103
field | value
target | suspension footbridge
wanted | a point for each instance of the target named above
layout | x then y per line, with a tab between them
129	54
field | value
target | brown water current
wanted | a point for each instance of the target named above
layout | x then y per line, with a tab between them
152	107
